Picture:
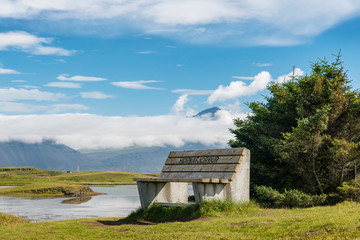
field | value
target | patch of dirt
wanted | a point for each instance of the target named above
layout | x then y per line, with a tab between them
240	224
124	230
203	219
95	224
266	213
143	222
103	224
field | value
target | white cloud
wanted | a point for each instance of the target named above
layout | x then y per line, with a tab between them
145	52
95	95
234	109
29	86
26	42
243	78
179	105
79	78
239	88
18	81
63	85
263	64
193	91
295	73
8	71
94	131
244	22
136	84
18	107
15	107
13	94
58	108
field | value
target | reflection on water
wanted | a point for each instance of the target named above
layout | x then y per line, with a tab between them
118	201
76	200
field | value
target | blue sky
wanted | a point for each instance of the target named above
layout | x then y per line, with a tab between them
121	73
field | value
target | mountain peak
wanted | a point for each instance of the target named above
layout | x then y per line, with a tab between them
210	111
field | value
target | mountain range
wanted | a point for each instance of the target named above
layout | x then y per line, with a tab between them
49	155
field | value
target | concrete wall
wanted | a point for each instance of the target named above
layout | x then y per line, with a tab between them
237	190
162	192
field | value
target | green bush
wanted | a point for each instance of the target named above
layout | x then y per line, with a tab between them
170	213
268	197
333	199
350	191
161	213
215	207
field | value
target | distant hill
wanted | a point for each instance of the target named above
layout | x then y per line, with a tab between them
46	155
140	159
51	156
210	111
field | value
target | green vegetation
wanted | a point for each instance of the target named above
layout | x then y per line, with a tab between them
101	178
17	169
159	213
49	189
19	177
246	222
306	136
268	197
10	220
32	181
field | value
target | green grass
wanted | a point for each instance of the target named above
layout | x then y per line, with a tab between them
10	220
169	213
100	178
49	189
235	222
53	183
18	177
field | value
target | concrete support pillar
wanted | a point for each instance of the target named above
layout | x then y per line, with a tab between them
162	192
210	191
236	191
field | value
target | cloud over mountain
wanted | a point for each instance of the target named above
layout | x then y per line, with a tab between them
94	131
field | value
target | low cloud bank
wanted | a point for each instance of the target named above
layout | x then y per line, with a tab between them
96	132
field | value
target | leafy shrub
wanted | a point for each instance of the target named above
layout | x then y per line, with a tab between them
8	220
350	191
167	213
214	207
268	197
170	213
333	198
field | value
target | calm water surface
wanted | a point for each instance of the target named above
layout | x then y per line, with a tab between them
118	201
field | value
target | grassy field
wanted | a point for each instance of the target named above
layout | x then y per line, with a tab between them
18	177
49	189
32	181
216	222
249	222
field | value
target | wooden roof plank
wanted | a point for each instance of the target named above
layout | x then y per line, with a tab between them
209	152
201	168
198	175
203	160
202	180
